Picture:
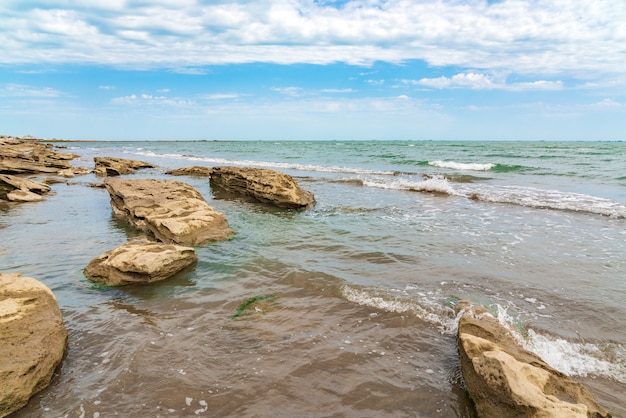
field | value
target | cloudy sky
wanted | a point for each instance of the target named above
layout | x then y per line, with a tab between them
305	69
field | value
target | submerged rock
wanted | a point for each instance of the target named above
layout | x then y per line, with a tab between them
505	380
110	166
170	211
32	339
267	186
139	263
195	170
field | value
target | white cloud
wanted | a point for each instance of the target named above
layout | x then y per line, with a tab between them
22	90
107	87
149	99
520	36
476	81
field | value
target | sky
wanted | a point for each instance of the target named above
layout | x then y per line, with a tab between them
313	69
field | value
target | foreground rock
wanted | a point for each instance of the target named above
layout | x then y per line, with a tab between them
170	211
506	381
110	166
139	263
32	339
32	157
21	189
267	186
196	170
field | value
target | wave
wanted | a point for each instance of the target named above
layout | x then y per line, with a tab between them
548	199
571	358
462	166
265	164
434	184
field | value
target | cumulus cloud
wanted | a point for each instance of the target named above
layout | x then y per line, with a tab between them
523	36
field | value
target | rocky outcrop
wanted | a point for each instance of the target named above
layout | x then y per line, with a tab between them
32	339
31	157
505	380
110	166
196	170
21	189
170	211
267	186
139	263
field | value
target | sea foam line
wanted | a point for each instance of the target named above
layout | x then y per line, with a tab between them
265	164
462	166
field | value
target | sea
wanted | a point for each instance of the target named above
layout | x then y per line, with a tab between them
346	309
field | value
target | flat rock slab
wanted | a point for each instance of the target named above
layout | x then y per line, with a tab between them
264	185
505	380
139	263
110	166
32	339
31	157
195	170
170	211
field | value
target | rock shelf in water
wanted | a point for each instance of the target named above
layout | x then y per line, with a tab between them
170	211
267	186
139	263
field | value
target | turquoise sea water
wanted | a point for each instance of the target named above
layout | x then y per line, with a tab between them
356	315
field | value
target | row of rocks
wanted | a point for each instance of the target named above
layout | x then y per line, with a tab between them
502	379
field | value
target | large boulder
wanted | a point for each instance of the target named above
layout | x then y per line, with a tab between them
194	170
110	166
32	339
170	211
267	186
505	380
139	263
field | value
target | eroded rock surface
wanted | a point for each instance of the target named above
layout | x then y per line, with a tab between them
32	339
170	211
31	157
267	186
196	170
505	380
139	263
110	166
21	189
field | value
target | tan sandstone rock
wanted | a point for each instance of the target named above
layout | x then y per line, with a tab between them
32	339
171	211
267	186
31	157
139	263
110	166
196	170
21	189
505	380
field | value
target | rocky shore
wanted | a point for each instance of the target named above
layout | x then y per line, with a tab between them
499	376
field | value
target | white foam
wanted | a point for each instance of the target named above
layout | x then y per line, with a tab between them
435	184
462	166
547	199
577	359
265	164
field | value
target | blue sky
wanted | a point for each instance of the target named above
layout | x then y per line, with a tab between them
303	69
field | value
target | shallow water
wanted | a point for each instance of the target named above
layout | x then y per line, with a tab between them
358	319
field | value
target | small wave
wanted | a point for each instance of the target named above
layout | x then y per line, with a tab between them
265	164
550	199
462	166
427	308
435	184
578	359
